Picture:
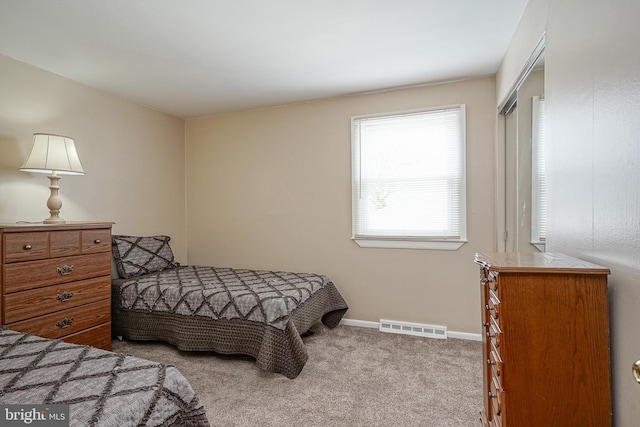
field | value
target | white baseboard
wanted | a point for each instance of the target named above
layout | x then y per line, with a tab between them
376	325
360	323
465	336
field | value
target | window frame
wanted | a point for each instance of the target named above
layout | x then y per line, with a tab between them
404	242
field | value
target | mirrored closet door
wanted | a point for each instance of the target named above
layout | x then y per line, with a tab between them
524	160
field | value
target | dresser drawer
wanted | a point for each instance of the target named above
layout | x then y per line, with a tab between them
33	246
25	247
98	336
34	274
64	243
36	302
94	241
66	322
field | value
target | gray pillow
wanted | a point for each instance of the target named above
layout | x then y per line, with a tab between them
135	255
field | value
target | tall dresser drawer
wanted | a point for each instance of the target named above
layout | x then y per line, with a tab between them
66	322
493	281
36	302
35	274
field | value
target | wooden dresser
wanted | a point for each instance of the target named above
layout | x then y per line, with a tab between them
56	281
545	326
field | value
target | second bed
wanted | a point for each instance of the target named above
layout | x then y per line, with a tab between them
231	311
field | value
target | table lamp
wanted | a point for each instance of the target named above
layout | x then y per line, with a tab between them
55	155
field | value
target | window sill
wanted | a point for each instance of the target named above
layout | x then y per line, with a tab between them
444	245
539	245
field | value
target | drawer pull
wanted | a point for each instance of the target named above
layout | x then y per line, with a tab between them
64	323
492	396
636	371
27	247
65	296
97	241
489	362
65	269
488	307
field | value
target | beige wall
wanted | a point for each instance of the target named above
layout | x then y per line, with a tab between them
592	83
271	188
133	156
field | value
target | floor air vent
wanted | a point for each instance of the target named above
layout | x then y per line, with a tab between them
431	331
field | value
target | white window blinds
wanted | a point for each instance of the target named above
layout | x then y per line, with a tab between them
538	178
409	176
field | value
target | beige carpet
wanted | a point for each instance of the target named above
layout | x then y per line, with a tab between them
354	377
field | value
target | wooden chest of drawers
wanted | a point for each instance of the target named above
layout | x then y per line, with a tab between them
545	341
56	281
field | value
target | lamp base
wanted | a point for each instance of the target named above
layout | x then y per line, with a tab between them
54	221
54	203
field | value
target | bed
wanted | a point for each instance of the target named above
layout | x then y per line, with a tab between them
230	311
102	388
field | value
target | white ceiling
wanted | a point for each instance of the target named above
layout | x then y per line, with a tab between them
193	58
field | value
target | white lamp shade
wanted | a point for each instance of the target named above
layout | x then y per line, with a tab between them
53	153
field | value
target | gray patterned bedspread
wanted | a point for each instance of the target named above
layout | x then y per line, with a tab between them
233	311
101	387
223	293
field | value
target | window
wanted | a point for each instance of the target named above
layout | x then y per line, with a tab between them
409	183
538	176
